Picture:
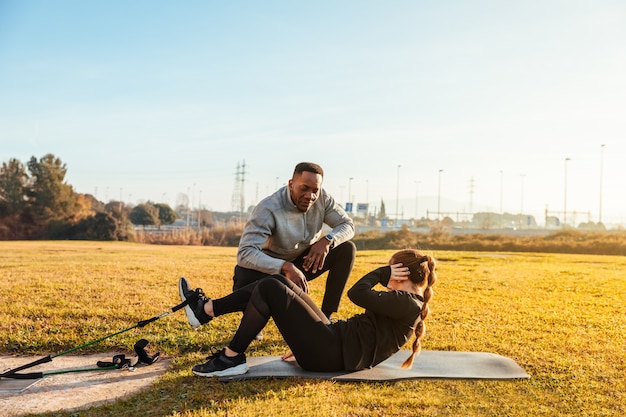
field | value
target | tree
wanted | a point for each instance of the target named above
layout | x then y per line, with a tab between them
118	209
145	215
13	187
206	217
166	215
101	226
121	213
52	198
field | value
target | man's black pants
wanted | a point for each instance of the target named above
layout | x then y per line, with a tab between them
338	263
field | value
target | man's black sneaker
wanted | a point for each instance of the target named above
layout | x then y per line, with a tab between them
195	307
219	364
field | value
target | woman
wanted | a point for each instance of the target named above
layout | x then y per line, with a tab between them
362	341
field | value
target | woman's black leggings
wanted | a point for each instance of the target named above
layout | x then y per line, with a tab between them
312	339
338	263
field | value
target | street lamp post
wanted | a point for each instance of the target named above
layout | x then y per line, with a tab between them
601	174
350	193
188	210
439	195
199	211
501	191
565	195
417	184
397	192
521	206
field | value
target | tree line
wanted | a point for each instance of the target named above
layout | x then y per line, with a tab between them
37	203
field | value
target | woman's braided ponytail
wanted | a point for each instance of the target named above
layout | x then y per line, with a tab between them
422	273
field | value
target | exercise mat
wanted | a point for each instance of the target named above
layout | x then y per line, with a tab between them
433	364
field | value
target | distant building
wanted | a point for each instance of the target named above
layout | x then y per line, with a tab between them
487	220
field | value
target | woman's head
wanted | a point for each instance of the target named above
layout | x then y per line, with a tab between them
420	265
422	274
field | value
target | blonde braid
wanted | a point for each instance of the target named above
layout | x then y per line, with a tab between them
420	326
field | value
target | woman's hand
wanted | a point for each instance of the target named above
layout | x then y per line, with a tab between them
399	272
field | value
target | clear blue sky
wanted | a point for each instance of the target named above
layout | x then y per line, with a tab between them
148	100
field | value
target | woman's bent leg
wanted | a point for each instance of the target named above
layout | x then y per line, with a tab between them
236	301
302	324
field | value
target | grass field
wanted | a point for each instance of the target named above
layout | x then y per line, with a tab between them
561	317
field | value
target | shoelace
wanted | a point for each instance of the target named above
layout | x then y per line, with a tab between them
214	354
200	294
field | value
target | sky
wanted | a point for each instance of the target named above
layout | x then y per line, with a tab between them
455	106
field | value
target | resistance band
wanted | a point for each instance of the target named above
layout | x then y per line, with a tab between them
13	373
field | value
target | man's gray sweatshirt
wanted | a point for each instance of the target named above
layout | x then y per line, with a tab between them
277	231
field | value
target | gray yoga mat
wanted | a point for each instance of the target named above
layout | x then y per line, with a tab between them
429	364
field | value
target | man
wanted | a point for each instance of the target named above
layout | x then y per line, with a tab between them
285	235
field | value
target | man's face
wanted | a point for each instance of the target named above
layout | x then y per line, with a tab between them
305	189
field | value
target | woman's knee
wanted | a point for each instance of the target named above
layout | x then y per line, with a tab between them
271	283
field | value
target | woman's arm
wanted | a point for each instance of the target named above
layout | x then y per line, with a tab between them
393	304
362	293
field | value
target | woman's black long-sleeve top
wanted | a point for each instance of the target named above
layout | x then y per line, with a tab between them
386	325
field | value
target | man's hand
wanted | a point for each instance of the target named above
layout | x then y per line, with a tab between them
293	274
314	260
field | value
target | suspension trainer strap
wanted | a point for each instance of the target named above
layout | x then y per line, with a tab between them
142	323
93	342
167	313
143	356
31	375
28	365
192	298
119	362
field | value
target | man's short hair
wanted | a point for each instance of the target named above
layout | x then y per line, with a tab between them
308	167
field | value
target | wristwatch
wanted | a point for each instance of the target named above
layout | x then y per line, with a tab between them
329	237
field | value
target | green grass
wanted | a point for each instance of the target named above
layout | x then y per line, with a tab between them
561	317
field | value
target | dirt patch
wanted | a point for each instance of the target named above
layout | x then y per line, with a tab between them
75	390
